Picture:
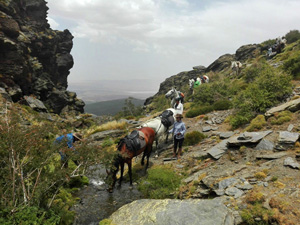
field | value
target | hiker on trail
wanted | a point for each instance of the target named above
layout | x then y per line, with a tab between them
178	130
69	139
178	106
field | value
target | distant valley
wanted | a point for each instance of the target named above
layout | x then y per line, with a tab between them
111	107
92	91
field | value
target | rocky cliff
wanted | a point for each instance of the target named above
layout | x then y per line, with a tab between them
34	59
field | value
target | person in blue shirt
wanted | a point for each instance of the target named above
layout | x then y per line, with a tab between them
178	130
69	139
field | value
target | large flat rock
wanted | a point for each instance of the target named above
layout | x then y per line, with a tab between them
173	211
247	138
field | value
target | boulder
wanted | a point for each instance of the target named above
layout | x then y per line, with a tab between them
248	138
292	105
172	211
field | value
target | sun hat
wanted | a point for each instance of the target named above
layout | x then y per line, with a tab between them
179	116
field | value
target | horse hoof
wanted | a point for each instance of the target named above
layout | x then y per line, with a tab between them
156	156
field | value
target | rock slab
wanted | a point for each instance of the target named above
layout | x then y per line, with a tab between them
173	211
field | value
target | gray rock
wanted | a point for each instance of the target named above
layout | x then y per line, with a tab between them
35	104
292	105
233	191
245	186
172	211
248	138
265	145
218	150
291	163
225	135
223	184
206	128
288	138
290	127
272	156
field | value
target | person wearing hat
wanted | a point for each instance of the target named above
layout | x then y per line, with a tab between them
178	130
69	139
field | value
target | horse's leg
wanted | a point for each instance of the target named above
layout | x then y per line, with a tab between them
149	150
122	170
156	147
130	173
143	158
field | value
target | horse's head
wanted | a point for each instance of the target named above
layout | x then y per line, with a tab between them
170	93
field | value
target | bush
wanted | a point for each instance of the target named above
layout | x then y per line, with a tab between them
292	65
198	111
222	104
257	123
292	36
193	138
281	117
268	89
160	183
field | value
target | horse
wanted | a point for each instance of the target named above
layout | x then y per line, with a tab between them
160	125
236	67
127	150
197	82
174	94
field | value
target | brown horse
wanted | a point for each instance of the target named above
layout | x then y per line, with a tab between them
146	136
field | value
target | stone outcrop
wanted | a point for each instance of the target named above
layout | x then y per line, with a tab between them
35	60
169	211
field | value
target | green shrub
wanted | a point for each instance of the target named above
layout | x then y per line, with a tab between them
199	111
222	104
269	88
281	117
292	36
292	65
257	123
257	211
160	103
193	138
160	183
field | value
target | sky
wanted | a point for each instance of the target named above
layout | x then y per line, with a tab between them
151	40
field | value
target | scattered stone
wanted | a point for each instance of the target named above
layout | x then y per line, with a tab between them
169	159
292	105
223	184
218	150
245	186
287	138
290	127
247	138
272	156
219	192
291	163
233	191
225	135
265	145
206	128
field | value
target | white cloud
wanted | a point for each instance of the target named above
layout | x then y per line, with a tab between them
190	32
53	24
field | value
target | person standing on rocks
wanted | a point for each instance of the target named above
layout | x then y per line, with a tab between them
178	131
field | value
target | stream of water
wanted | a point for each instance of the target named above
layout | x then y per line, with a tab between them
97	203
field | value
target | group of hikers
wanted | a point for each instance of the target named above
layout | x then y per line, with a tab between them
277	47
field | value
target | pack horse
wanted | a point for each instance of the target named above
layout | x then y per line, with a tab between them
137	142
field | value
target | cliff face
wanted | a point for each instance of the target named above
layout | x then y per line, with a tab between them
34	59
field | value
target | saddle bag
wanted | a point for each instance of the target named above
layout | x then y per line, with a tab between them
167	118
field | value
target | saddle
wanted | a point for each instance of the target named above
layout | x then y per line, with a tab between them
167	118
135	140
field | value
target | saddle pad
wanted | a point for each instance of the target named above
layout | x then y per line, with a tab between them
142	139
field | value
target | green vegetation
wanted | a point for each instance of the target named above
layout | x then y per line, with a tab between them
281	117
292	36
193	138
257	123
35	188
160	183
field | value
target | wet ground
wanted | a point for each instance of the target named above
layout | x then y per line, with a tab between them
97	203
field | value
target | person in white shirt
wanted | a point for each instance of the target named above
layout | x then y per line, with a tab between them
178	106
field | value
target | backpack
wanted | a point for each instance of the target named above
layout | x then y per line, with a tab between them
167	118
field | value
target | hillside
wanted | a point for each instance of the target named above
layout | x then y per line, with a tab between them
109	107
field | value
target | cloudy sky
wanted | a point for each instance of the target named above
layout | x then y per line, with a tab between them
155	39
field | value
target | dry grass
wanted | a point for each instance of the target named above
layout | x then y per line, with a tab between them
113	125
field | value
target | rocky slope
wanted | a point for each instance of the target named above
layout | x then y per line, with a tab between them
35	60
221	64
